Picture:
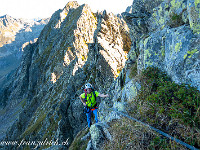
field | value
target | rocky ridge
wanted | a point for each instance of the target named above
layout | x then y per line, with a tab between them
164	34
75	47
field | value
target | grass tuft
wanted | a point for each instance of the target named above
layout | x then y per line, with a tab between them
171	107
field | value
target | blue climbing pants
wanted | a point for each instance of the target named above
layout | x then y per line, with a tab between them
88	114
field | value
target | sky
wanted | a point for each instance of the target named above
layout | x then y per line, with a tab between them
30	9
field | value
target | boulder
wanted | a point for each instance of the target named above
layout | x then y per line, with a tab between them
99	134
174	51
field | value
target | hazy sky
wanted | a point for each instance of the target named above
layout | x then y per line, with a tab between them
45	8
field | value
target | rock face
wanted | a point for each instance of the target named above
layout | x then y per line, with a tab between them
164	34
15	34
78	46
99	134
167	37
75	47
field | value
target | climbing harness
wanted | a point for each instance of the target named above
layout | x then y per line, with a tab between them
88	109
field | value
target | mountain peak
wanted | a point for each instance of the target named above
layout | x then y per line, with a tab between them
72	4
5	16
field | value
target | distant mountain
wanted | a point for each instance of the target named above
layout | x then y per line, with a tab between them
15	34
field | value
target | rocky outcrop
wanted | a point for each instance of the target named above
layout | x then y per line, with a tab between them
168	30
175	52
75	47
163	35
99	134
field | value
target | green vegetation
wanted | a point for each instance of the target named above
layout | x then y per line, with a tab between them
50	131
180	101
126	39
176	19
27	147
91	74
51	128
72	17
160	98
35	127
133	70
23	103
128	134
190	53
79	144
44	56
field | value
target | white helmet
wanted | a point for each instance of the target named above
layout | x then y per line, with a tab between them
88	86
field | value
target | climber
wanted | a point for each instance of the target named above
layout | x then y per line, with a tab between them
89	101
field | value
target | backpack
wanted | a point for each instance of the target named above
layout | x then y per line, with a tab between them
93	91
